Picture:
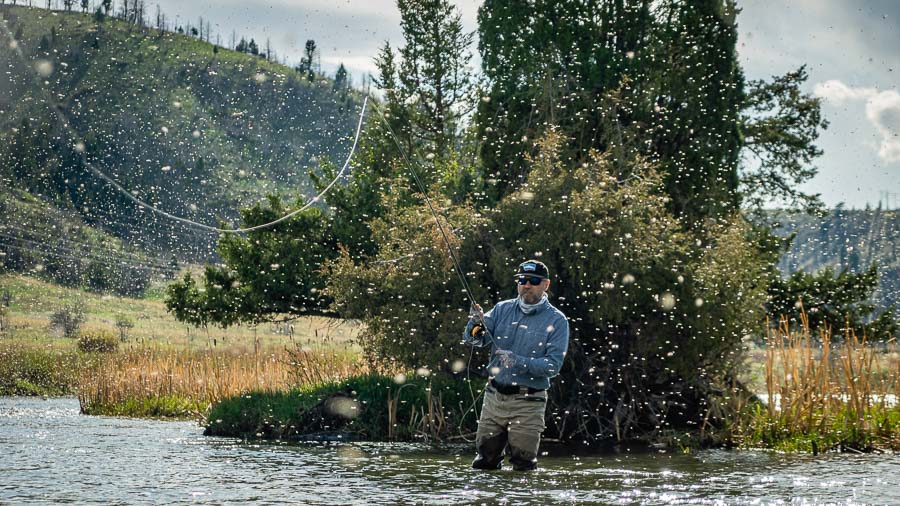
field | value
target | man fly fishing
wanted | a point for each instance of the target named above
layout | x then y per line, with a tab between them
528	339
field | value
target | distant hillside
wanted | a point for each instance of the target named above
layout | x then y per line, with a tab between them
194	129
847	239
55	244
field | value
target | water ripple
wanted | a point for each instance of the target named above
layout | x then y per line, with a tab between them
49	453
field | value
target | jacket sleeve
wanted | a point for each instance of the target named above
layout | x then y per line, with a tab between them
549	365
485	339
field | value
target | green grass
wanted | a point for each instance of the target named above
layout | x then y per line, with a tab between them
430	408
838	432
33	301
39	370
168	407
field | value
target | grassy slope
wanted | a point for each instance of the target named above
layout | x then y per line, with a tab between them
33	301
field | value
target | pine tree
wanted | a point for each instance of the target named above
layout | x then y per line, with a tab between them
309	54
433	71
341	83
780	124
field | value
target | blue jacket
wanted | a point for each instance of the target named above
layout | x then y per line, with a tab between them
539	341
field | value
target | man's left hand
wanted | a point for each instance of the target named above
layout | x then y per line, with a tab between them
507	358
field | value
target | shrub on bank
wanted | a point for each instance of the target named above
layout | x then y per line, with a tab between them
37	371
370	407
97	342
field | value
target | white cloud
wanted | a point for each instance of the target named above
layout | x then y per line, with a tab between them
882	111
838	92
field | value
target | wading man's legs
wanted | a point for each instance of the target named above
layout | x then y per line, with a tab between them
513	420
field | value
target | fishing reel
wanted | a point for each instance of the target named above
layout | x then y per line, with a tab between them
478	331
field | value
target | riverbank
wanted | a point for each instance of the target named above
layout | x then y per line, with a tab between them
368	407
164	383
129	357
821	395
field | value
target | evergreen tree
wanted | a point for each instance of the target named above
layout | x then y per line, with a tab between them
550	63
433	72
398	115
341	83
658	78
309	54
780	124
695	116
252	48
270	272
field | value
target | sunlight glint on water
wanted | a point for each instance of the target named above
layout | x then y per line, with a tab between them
140	461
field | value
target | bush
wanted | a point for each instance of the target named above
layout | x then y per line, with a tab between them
68	319
97	342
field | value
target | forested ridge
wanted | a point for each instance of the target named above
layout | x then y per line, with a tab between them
195	129
852	239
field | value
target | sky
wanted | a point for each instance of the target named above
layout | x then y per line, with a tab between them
850	49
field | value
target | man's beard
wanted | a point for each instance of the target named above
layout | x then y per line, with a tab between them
531	298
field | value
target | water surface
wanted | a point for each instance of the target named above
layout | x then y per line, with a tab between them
49	453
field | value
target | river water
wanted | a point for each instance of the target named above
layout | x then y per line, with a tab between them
49	453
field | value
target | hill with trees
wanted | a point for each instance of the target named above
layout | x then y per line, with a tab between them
854	241
195	129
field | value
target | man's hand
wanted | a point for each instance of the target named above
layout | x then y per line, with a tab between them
476	313
507	358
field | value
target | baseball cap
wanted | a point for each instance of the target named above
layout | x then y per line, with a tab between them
533	268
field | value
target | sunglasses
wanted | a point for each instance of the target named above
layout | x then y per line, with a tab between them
534	280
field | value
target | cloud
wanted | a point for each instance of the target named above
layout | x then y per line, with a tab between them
882	111
837	92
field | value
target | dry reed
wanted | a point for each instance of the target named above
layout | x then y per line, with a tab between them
823	394
142	382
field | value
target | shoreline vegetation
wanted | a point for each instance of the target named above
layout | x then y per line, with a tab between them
824	393
821	394
817	392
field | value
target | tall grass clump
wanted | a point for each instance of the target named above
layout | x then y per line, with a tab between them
144	382
825	394
149	382
38	370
